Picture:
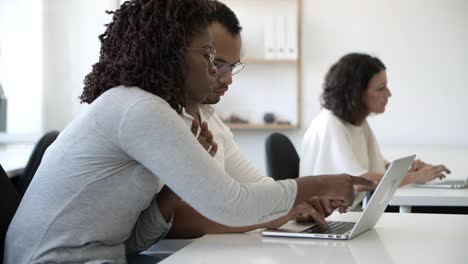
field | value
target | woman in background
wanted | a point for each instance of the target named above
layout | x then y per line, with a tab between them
340	139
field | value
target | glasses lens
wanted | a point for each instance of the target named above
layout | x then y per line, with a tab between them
237	68
222	68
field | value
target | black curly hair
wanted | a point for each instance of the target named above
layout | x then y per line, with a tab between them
346	83
144	46
226	17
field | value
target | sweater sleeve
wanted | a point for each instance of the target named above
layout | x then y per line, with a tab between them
236	163
149	229
151	133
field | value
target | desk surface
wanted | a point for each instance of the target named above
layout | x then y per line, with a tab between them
414	196
14	156
397	238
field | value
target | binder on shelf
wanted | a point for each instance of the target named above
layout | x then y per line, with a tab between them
281	34
269	37
292	35
280	37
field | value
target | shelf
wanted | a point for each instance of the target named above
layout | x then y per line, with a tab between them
277	78
242	126
267	61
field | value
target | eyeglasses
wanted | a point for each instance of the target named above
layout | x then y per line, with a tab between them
208	53
234	68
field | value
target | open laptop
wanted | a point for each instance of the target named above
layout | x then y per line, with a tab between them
445	184
375	208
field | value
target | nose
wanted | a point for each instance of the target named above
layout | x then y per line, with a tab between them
226	78
389	93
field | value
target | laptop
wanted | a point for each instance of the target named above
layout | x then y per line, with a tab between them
375	208
445	184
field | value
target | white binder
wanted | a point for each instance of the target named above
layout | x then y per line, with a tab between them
270	45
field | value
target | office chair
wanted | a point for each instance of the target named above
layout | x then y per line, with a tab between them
24	179
282	159
9	201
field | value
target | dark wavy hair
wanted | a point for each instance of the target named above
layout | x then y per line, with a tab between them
226	17
345	85
144	46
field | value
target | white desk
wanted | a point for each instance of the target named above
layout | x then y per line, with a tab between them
397	238
14	156
407	197
455	157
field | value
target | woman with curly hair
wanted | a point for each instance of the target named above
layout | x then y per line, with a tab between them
98	194
94	193
339	139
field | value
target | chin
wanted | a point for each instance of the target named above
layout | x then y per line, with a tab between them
212	100
377	111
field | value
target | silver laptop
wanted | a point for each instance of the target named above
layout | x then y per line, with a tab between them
375	208
445	184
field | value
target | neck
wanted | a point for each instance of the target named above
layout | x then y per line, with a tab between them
360	119
192	108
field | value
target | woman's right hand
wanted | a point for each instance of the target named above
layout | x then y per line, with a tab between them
426	173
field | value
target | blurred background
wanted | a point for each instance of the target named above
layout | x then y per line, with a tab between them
48	46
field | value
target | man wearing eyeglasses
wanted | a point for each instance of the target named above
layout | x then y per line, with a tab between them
217	138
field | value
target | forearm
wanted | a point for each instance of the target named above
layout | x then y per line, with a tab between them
151	226
167	202
153	223
409	179
188	223
242	169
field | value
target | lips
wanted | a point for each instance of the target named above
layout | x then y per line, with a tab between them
220	92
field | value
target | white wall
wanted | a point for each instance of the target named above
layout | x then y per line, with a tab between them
71	47
21	64
424	44
46	49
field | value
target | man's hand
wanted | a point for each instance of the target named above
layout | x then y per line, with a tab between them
205	138
315	210
315	206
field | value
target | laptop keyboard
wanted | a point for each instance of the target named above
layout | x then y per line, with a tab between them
333	228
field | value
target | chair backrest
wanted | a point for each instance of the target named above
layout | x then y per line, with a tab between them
281	157
34	160
9	201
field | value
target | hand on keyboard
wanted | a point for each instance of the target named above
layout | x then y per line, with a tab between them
317	209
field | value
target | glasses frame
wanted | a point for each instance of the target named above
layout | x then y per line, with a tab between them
206	51
224	67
